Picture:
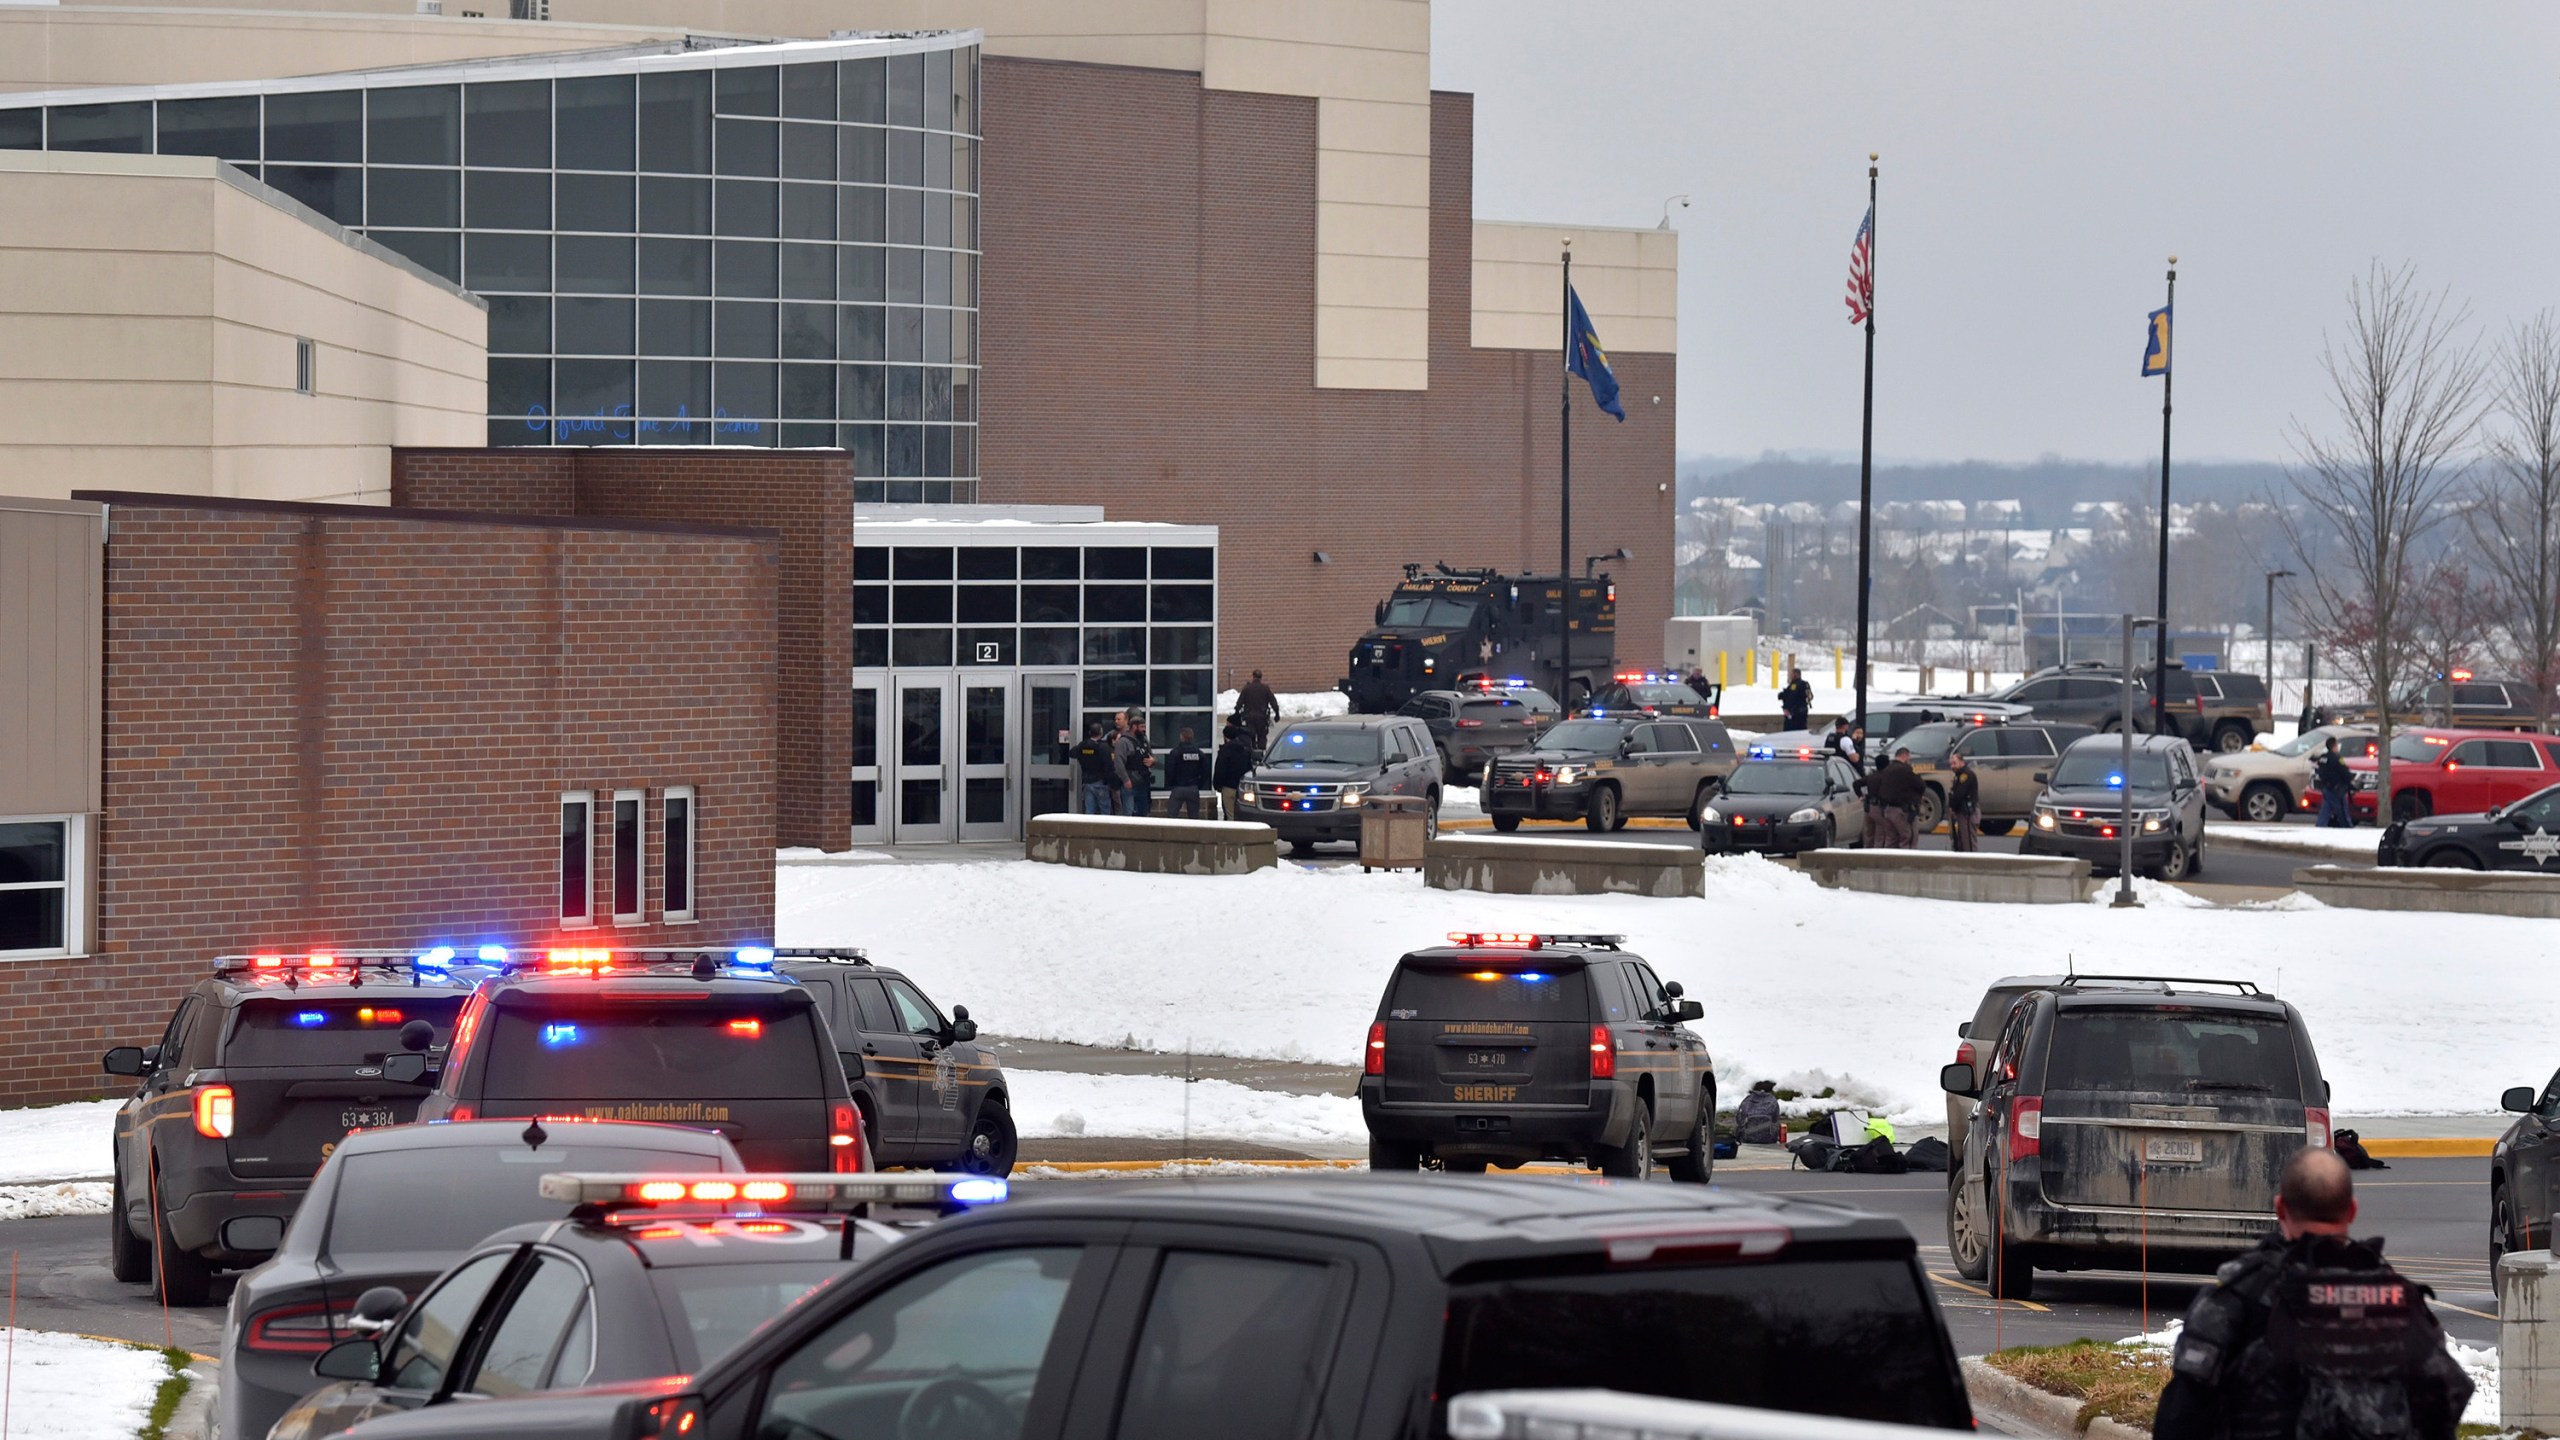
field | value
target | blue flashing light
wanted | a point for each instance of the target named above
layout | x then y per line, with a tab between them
2115	782
493	954
437	958
753	957
1762	752
1297	738
984	1190
308	1018
1533	975
559	1033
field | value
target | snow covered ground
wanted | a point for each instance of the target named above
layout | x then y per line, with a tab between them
2359	842
1802	985
1294	706
57	1142
70	1387
1048	1104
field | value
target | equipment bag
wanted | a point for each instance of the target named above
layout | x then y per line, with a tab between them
1927	1153
1876	1157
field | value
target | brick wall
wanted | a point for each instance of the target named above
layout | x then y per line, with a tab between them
341	726
1148	329
805	495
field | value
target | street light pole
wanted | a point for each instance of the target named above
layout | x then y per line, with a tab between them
2125	899
2272	577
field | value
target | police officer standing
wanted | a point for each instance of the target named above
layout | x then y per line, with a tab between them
2312	1334
1795	700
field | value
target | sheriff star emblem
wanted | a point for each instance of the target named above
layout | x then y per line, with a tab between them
2538	847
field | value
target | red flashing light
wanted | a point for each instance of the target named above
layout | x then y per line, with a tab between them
748	1027
213	1112
2461	675
1604	1054
1493	940
844	1138
464	1112
765	1190
1804	752
268	962
2107	832
579	962
371	1015
715	1190
765	1227
658	1190
1374	1060
2026	1127
322	960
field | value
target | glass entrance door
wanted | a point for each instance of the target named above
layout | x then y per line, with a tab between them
926	811
1048	733
870	804
986	753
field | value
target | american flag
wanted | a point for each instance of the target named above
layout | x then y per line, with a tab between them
1862	280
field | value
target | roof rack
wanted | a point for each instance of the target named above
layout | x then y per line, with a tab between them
330	966
832	957
2169	983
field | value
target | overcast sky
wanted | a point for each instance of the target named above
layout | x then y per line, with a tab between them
2041	162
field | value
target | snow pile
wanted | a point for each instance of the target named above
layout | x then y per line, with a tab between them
70	1387
1298	706
59	1142
1288	964
70	1197
812	855
1048	1104
2359	843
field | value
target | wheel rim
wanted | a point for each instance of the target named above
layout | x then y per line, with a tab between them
2175	867
1608	803
1963	1238
1644	1155
2232	742
2261	807
2501	1229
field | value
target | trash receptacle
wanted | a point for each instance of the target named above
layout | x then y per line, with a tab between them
1393	830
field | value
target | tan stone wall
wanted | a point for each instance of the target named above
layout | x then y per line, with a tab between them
1628	279
149	309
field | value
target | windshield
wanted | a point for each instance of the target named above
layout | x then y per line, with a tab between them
1317	745
1851	1337
2098	767
713	1307
2416	749
449	1197
1932	742
1431	612
1583	735
331	1032
1662	695
2159	1050
2305	744
570	1049
1774	779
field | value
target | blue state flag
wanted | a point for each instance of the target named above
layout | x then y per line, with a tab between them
2155	356
1585	358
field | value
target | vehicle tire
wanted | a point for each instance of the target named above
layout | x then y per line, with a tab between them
128	1254
1431	817
2195	856
1389	1155
1302	848
1506	824
1633	1160
2232	737
1618	824
1933	811
2448	857
184	1277
1698	1167
2412	805
2111	727
1601	815
1997	827
2176	865
1968	1239
992	1141
1698	805
2264	803
2011	1277
2502	1228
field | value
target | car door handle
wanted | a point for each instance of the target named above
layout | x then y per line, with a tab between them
870	1049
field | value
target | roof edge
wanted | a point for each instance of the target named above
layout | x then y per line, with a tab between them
328	510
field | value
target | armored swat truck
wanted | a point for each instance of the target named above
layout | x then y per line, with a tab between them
1451	628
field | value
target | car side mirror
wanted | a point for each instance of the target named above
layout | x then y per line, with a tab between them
417	1035
1673	990
1958	1079
376	1311
962	1027
1683	1010
348	1360
2520	1099
125	1060
2044	777
405	1069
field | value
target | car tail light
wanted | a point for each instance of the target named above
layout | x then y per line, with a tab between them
1604	1054
1687	1240
1964	1052
1374	1061
299	1329
213	1112
464	1112
1470	724
2026	1127
2315	1126
844	1138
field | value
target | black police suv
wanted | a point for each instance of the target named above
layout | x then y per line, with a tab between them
1502	1049
388	1212
2128	1121
265	1066
929	1093
1351	1306
2082	810
1603	771
2524	1173
1648	695
632	1276
2521	836
714	1039
1785	802
1311	782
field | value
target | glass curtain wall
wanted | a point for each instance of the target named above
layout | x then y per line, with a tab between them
767	255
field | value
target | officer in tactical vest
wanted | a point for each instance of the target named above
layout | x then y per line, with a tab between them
2311	1335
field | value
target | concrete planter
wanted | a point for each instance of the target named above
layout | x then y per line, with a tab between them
1980	877
1152	847
2472	892
1501	866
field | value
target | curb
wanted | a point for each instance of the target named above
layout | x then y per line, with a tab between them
2271	845
1129	1167
193	1419
2042	1411
1641	822
2424	1148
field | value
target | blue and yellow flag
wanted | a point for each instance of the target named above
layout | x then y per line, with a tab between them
2155	357
1585	358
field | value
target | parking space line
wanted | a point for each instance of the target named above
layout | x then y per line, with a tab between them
1987	1295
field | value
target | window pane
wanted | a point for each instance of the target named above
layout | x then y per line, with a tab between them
746	147
595	263
1233	1345
809	333
507	124
596	122
675	123
750	90
809	212
23	129
1182	602
327	126
1115	602
742	392
593	391
336	191
31	919
748	268
671	206
675	327
906	158
519	325
906	89
1115	645
906	220
808	392
747	207
1049	647
506	200
937	90
906	325
987	562
626	856
590	326
439	251
425	1344
678	861
860	271
1115	562
858	392
920	647
32	852
520	1345
428	198
226	126
744	329
1185	563
870	648
862	155
675	267
809	273
986	604
595	202
675	388
1182	646
1189	689
573	858
410	125
864	96
507	262
906	393
922	605
863	217
1112	689
809	152
937	450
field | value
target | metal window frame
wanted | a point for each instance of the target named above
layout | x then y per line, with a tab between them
74	886
638	800
586	798
667	798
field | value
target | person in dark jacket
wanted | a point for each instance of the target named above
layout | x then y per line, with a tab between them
1094	769
2336	784
1964	804
1795	701
1235	761
1893	794
2312	1334
1756	1120
1842	743
1186	774
1259	707
1140	764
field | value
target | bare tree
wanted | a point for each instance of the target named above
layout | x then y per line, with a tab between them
2516	525
2405	391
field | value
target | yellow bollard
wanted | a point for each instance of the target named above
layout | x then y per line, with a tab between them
1750	665
1836	682
1721	658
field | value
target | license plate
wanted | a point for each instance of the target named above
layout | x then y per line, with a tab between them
364	1119
2172	1150
1490	1059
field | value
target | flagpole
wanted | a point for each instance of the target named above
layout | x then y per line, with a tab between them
2160	654
1866	457
1564	546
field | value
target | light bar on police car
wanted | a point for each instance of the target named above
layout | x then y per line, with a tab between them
1515	940
621	1188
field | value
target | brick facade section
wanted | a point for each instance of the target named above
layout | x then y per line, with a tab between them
805	495
337	726
1148	329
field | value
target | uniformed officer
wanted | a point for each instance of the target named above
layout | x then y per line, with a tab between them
2311	1334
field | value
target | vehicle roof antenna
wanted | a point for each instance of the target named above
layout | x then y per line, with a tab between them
2070	965
534	1135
